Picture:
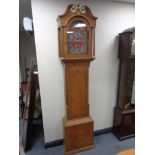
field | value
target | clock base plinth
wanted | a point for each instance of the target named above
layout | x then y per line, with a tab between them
78	135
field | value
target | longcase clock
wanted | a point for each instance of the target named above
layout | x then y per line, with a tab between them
76	34
124	112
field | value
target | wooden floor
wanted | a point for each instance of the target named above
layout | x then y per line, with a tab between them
127	152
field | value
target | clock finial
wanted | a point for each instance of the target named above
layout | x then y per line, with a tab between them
78	5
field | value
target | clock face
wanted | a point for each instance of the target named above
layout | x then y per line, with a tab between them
77	37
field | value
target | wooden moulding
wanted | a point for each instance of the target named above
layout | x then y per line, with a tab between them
77	60
64	19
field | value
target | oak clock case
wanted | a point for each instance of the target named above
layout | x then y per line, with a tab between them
124	112
76	37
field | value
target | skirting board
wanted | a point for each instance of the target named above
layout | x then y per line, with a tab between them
61	141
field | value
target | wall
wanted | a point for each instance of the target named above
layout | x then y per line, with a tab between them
26	50
113	18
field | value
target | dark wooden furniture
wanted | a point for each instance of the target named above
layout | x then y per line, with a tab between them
26	122
124	112
76	33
